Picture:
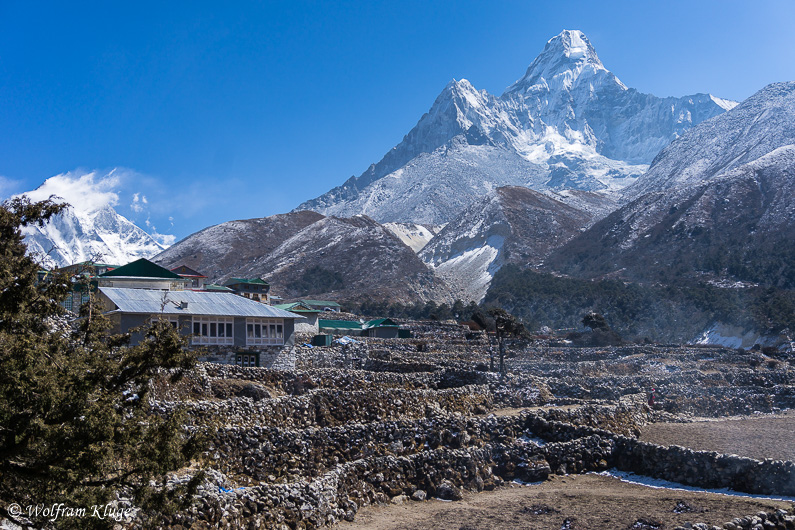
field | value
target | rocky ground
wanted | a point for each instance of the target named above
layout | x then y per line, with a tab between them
375	433
574	501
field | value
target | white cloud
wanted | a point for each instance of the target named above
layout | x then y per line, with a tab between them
86	192
137	203
8	186
164	239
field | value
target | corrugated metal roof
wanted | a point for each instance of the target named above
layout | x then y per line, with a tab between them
150	301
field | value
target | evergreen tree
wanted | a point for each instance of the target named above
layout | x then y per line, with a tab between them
75	422
506	326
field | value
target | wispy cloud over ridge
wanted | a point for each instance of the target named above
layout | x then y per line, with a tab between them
86	192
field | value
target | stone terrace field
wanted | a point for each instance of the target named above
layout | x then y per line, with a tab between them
357	429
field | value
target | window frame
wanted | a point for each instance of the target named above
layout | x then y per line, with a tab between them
264	331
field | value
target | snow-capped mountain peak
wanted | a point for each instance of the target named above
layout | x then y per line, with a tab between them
569	123
565	58
89	228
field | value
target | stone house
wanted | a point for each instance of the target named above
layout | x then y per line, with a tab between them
309	324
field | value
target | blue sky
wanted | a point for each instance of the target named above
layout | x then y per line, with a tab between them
220	111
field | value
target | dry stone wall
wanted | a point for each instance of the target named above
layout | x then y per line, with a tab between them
405	420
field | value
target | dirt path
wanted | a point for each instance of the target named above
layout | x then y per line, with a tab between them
585	501
755	437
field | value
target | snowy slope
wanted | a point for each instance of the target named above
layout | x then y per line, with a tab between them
567	123
414	235
511	224
101	235
756	127
734	228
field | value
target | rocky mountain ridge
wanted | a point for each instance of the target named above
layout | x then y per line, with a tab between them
716	205
735	229
304	252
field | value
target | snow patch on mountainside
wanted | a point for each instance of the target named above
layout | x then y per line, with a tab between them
511	224
469	273
729	336
414	235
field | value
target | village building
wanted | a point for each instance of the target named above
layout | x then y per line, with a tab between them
212	287
384	328
83	277
310	315
90	268
228	328
255	289
196	278
232	329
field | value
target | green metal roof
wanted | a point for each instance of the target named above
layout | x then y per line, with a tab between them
254	281
142	268
214	287
338	324
321	302
296	307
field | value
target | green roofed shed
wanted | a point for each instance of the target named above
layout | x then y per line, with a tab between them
339	324
217	288
297	307
380	323
345	326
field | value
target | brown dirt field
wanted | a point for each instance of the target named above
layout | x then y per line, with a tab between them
755	437
586	501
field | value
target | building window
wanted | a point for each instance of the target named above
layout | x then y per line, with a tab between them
264	331
174	321
213	330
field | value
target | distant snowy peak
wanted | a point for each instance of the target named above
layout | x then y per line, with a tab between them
99	235
564	59
725	104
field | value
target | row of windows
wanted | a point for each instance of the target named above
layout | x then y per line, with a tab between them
213	330
220	331
264	331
